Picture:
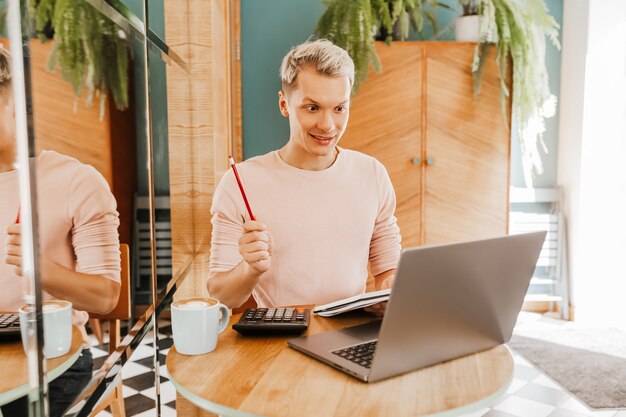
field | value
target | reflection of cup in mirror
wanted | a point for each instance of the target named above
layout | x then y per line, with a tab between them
57	327
196	324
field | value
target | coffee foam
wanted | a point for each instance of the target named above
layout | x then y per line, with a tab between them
49	306
53	305
194	304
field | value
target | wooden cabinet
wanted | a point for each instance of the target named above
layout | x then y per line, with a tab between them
447	151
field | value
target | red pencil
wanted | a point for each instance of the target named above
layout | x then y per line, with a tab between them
17	218
243	193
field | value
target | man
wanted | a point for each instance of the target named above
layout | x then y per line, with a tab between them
324	212
78	241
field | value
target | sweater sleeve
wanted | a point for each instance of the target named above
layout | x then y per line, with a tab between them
92	209
227	220
385	244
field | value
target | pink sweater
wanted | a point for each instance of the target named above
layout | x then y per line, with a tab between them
78	223
325	225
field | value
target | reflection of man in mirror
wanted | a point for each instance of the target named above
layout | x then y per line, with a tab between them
323	212
78	240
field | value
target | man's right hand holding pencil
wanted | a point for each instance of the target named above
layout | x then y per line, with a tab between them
255	246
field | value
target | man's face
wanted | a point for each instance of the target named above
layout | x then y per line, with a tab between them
318	110
7	121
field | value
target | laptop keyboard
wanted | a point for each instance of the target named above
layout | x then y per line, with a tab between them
9	321
360	354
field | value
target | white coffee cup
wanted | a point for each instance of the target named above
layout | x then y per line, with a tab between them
57	327
196	324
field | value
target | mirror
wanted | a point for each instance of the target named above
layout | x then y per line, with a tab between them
94	165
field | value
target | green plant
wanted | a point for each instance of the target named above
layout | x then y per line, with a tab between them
519	31
354	24
90	50
470	7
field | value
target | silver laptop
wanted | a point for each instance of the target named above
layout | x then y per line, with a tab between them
447	301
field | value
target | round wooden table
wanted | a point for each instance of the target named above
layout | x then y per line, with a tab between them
262	376
14	366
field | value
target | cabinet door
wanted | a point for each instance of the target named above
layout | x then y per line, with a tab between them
468	144
385	122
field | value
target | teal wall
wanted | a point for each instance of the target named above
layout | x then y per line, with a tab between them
271	27
158	96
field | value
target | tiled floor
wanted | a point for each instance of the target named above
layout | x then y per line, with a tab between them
138	376
531	393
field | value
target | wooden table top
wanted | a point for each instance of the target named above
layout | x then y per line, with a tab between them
251	376
13	363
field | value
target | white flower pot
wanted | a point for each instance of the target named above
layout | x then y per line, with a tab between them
467	28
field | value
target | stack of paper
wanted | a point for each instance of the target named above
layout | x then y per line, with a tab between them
352	303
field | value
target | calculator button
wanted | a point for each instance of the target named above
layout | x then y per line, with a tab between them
279	314
270	314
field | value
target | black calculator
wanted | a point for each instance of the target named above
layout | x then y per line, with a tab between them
267	321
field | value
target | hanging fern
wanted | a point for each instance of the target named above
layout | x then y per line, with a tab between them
519	31
90	50
354	24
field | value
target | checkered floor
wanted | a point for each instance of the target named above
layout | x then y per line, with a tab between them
534	394
138	375
531	393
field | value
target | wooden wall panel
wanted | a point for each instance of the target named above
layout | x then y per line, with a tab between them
62	122
179	135
199	128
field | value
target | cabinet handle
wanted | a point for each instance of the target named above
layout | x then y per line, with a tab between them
430	161
417	160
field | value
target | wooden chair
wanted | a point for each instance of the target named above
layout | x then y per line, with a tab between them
121	312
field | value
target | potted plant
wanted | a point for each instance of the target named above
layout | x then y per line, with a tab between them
467	26
516	28
356	24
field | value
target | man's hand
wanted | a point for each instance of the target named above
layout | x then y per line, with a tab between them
387	283
255	246
13	247
379	309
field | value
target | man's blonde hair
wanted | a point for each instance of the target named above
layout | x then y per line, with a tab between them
323	55
5	69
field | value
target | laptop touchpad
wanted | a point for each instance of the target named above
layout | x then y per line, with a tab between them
365	332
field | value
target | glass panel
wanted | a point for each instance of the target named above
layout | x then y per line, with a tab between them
89	156
23	388
169	94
